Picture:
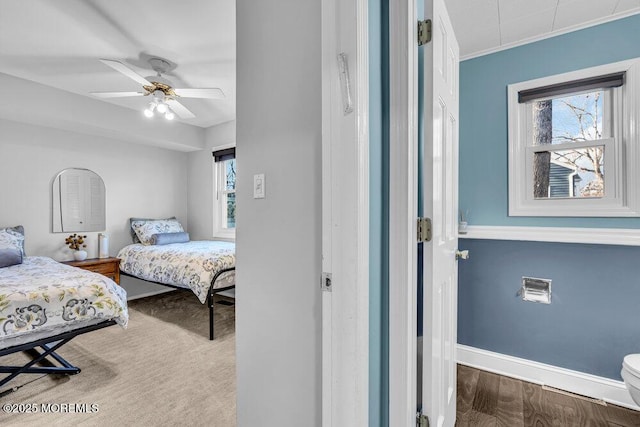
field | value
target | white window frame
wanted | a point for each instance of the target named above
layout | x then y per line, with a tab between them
622	149
219	208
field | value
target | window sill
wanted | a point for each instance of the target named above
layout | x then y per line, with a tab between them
229	236
571	208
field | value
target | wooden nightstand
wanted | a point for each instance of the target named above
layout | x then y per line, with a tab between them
109	267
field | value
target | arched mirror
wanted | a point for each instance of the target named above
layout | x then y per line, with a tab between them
78	201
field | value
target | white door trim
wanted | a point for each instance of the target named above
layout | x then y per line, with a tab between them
403	192
345	209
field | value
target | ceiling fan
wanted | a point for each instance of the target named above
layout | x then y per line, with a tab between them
160	88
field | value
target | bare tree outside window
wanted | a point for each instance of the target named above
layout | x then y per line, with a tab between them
571	119
230	191
542	135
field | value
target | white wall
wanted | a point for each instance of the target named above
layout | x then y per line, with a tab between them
200	167
278	239
140	181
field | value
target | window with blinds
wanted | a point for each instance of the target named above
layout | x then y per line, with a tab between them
568	135
225	193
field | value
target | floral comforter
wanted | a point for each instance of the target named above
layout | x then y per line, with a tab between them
188	265
42	294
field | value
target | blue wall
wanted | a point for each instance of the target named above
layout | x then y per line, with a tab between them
379	215
483	114
594	316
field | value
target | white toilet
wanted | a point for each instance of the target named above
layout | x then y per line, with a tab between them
631	375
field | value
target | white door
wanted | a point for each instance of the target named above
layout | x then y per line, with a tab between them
440	189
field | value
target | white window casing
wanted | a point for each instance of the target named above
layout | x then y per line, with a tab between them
220	193
621	142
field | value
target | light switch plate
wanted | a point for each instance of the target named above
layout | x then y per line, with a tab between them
258	186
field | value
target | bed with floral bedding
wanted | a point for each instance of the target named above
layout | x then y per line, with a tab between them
163	253
191	265
43	295
44	304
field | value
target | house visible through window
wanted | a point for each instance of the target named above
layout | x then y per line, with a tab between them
568	131
225	193
568	136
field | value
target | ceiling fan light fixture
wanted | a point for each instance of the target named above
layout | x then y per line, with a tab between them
162	108
148	112
160	89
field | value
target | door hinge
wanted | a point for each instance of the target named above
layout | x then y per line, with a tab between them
424	230
326	282
422	420
424	32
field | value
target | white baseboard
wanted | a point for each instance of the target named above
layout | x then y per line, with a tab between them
610	391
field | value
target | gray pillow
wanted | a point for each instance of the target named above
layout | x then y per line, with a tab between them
134	236
10	256
167	238
17	231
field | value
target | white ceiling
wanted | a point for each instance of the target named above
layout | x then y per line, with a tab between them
59	43
483	26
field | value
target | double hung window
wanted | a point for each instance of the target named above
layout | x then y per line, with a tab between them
224	218
573	148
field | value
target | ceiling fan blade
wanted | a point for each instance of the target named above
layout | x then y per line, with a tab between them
121	68
212	93
180	109
115	94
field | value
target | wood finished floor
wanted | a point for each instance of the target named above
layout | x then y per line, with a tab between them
486	399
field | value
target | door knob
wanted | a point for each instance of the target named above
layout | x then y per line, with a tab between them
462	254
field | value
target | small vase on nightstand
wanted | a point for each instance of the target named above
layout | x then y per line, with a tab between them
80	255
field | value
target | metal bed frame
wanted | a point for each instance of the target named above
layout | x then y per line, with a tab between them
210	293
49	345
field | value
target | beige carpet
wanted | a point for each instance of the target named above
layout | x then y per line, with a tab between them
161	371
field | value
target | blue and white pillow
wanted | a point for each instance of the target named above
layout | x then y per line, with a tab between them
11	246
146	229
169	238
